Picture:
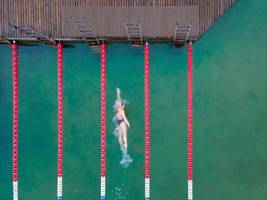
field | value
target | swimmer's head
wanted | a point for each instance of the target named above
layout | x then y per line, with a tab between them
120	104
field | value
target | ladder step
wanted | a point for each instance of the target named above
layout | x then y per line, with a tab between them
85	31
25	29
182	31
182	38
32	34
89	36
79	22
82	27
134	36
181	34
134	31
95	47
90	40
138	32
136	43
134	27
137	25
183	26
179	41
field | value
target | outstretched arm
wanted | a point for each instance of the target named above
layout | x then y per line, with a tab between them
118	93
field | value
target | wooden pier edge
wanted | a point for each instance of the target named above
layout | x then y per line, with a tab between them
47	16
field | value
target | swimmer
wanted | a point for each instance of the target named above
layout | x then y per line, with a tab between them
121	122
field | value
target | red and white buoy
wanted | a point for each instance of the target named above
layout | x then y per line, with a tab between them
147	121
14	47
60	120
103	123
190	122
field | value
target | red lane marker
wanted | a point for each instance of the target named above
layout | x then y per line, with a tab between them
60	108
103	110
147	112
15	110
190	114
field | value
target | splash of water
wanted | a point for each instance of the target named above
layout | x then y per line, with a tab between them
126	160
119	193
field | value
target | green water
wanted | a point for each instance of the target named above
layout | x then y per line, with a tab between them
230	129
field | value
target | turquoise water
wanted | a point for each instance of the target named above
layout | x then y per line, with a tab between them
230	129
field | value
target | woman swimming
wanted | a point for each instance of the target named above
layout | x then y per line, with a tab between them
121	121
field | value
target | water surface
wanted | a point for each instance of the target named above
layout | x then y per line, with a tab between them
230	129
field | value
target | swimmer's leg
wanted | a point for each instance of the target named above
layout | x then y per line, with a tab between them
124	137
120	139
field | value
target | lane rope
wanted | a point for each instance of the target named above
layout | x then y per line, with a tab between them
60	120
190	122
103	123
14	47
147	122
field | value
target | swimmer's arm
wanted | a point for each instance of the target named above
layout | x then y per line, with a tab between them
118	94
125	119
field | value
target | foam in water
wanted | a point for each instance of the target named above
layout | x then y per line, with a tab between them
119	193
125	160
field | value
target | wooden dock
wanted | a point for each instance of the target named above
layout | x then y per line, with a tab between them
106	18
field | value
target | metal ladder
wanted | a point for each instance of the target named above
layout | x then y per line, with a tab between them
4	40
31	32
81	25
134	33
181	34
